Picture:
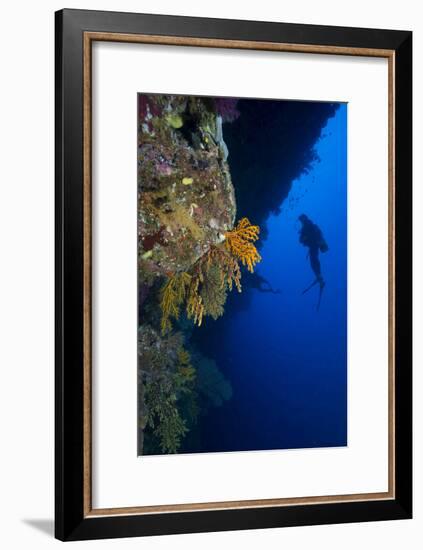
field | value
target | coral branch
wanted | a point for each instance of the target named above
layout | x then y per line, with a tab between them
195	306
172	296
239	242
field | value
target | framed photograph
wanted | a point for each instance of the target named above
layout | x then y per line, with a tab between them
233	274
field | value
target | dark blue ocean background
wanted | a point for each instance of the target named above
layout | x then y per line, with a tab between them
286	361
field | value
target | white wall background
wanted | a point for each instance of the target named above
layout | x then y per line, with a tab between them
26	274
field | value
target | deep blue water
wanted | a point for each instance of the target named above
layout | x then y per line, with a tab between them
287	362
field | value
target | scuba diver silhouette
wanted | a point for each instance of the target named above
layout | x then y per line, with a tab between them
312	237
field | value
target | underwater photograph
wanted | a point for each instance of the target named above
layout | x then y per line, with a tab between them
242	274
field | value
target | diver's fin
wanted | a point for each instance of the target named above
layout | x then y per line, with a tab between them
311	286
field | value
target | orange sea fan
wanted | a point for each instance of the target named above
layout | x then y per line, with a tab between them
239	242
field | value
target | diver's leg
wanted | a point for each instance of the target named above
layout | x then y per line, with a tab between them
315	262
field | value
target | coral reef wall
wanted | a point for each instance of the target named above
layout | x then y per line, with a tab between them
189	257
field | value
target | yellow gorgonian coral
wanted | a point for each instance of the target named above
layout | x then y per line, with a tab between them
203	290
195	306
181	288
239	242
172	296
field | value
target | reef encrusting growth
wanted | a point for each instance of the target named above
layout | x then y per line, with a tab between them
189	258
186	197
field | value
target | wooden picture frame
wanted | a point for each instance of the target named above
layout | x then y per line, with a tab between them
76	30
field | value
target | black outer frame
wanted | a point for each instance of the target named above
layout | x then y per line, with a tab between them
70	523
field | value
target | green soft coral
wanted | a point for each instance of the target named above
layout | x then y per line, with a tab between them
163	416
213	293
167	382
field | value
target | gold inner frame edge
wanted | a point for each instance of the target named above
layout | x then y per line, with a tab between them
88	39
